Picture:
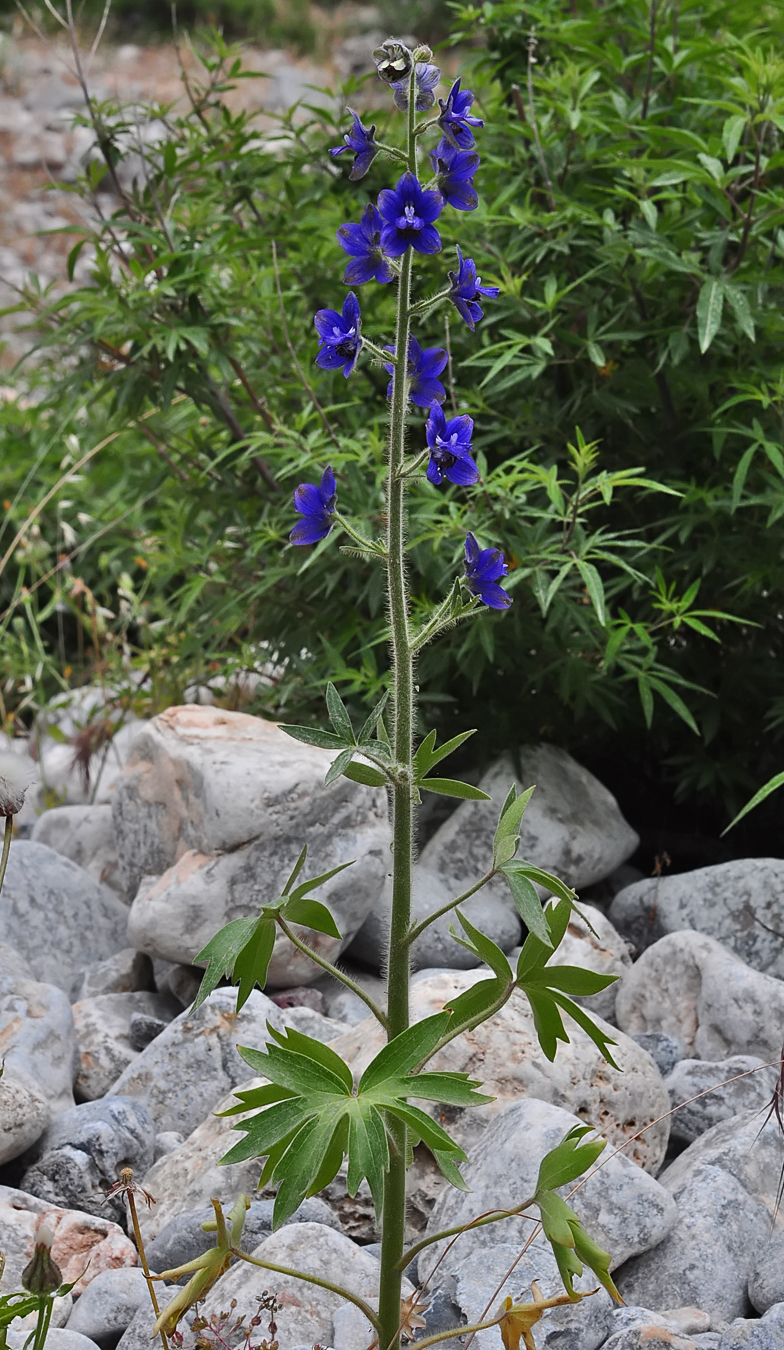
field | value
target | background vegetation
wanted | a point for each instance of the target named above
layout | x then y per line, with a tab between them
632	214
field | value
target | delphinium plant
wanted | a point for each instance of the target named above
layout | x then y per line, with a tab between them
311	1115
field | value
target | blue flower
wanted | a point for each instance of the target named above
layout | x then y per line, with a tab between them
317	505
483	567
339	335
466	288
393	61
450	448
422	368
455	120
363	145
363	244
408	212
427	78
454	170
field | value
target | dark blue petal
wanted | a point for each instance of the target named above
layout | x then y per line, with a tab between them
461	196
360	270
392	242
433	361
311	529
434	474
362	163
495	597
435	425
464	311
351	314
329	359
327	487
463	471
326	321
427	240
425	392
353	239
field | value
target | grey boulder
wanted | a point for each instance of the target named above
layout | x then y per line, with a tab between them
58	917
749	1334
81	1154
725	1187
85	834
125	972
665	1051
24	1115
38	1039
215	805
734	1086
57	1338
491	911
738	903
194	1062
139	1334
108	1306
572	825
624	1210
766	1281
103	1026
694	989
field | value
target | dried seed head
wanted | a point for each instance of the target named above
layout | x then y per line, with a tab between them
16	777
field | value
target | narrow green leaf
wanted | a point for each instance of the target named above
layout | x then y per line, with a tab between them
675	701
773	783
476	1001
485	948
550	882
364	773
313	915
710	305
338	715
252	963
595	589
527	902
506	835
368	730
323	1054
338	767
405	1051
740	307
741	472
326	740
220	953
451	787
646	699
427	756
296	869
306	886
731	133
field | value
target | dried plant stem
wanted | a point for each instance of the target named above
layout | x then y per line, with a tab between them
7	836
137	1232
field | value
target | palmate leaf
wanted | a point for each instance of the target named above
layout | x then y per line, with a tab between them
572	1246
241	950
310	1116
547	988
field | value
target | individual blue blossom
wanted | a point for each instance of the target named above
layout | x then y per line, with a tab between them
423	365
408	212
483	567
427	77
363	244
455	120
450	448
316	504
362	143
339	335
465	289
454	171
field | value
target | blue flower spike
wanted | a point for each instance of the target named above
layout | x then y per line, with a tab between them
465	290
483	568
408	212
456	120
362	143
339	335
450	449
316	504
454	171
362	242
427	77
423	366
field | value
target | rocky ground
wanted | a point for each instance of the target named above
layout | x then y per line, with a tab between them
188	822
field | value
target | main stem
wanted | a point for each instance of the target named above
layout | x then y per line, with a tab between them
398	961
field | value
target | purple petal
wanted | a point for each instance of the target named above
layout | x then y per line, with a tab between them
329	359
337	150
463	471
327	486
427	241
433	361
495	597
393	243
310	530
463	310
351	314
360	270
490	565
308	500
463	425
471	547
434	474
362	163
461	196
430	206
353	239
326	321
435	425
427	392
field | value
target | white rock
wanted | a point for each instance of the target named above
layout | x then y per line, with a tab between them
492	912
102	1032
623	1209
56	916
83	1246
24	1115
85	834
126	972
108	1305
504	1054
572	825
689	986
725	1186
739	903
38	1040
216	805
738	1084
305	1310
56	1339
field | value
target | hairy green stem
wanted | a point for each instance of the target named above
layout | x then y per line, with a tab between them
312	1279
462	1331
495	1216
7	836
418	928
334	971
398	961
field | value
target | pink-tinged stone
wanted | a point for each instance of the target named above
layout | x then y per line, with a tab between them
83	1246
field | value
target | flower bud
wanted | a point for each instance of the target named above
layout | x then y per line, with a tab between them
393	61
42	1275
15	779
423	53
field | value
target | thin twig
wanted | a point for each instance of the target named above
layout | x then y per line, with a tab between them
293	354
145	1267
7	836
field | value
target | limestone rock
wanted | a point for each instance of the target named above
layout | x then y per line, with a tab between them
56	916
736	1089
82	1153
139	1335
750	1334
24	1115
725	1188
492	912
37	1039
572	825
665	1051
738	903
108	1306
186	1070
691	987
624	1210
85	834
56	1339
83	1246
766	1281
126	972
103	1034
504	1054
